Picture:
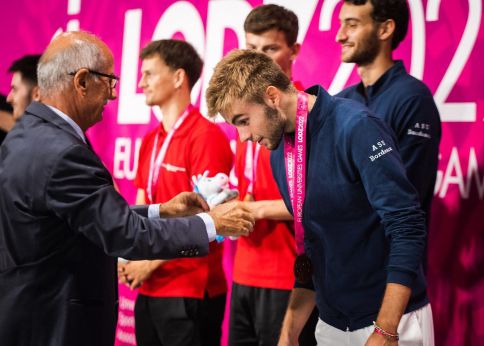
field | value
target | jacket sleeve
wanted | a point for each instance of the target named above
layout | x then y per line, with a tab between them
141	210
418	129
374	153
81	193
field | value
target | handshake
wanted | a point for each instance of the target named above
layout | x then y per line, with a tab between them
230	219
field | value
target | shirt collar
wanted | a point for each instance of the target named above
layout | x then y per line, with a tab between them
321	108
70	122
372	90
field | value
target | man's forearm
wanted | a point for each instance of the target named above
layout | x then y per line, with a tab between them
393	307
270	209
300	307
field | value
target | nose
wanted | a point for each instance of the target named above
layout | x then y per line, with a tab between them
141	83
341	35
113	95
10	97
244	134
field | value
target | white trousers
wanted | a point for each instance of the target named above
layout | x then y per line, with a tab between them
415	329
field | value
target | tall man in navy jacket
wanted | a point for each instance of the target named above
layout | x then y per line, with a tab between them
60	215
364	228
369	33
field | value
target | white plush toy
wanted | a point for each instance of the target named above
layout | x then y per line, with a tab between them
215	190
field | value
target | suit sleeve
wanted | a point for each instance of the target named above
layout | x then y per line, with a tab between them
80	192
141	210
392	196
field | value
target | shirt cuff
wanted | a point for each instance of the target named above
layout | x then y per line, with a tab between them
209	225
154	211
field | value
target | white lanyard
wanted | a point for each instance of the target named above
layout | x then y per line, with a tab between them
250	169
155	164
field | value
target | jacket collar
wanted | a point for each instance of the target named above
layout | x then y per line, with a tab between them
381	84
43	112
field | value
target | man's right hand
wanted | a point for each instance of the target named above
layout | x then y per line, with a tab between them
232	219
183	204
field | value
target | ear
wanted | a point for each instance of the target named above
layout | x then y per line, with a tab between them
80	80
179	77
273	96
35	94
386	30
296	47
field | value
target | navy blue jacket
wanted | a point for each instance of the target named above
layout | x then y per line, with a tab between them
363	223
407	105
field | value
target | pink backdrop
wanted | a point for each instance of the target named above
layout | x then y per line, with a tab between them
444	47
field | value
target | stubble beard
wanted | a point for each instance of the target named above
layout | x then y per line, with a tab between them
276	129
367	52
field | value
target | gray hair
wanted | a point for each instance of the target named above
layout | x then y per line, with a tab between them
53	69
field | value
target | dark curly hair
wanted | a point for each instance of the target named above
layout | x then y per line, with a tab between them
397	10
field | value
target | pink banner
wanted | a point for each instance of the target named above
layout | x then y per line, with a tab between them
443	47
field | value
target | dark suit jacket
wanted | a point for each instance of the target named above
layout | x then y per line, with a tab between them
60	222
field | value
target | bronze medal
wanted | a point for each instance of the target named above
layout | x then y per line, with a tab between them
303	269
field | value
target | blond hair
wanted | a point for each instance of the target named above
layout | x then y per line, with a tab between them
243	75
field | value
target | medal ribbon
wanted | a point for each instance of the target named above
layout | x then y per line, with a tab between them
155	163
295	160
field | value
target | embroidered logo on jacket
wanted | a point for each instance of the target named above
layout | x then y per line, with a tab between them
379	149
420	130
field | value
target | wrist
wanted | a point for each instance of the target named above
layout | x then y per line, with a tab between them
164	210
290	331
286	338
258	210
387	325
388	335
153	266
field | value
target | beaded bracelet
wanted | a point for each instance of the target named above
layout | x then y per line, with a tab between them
381	331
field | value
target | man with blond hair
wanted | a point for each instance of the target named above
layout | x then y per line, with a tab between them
263	274
340	174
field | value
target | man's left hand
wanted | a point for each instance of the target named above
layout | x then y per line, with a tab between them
184	204
134	273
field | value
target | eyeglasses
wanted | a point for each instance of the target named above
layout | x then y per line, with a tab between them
113	80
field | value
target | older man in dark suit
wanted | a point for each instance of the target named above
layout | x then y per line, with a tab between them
60	216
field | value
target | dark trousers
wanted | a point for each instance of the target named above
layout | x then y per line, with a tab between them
179	321
256	316
167	321
211	318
